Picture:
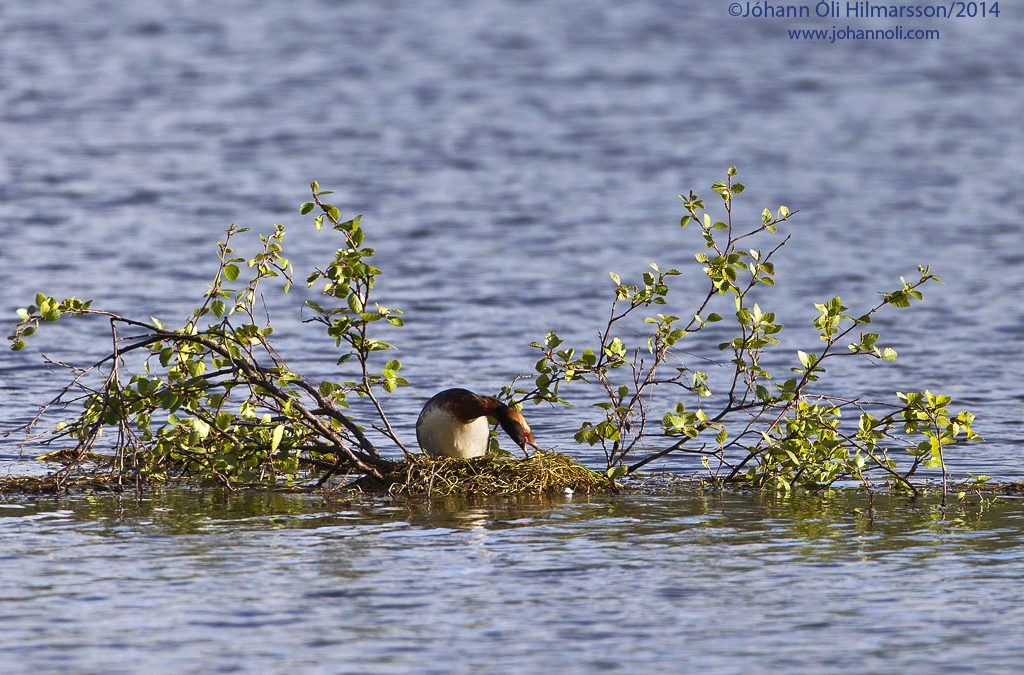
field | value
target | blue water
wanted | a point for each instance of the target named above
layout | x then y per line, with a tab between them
505	156
728	583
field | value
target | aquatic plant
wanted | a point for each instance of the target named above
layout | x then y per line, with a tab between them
212	399
752	425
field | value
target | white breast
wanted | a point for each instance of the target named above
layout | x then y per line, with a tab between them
440	433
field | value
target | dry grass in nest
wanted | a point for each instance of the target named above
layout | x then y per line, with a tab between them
542	472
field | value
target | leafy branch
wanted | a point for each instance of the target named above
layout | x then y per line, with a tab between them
214	399
752	427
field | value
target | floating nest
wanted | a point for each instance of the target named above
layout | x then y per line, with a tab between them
543	472
51	484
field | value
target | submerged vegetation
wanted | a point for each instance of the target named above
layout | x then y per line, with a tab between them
211	399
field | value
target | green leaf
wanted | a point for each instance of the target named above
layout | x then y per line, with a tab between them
201	427
278	435
889	354
306	208
617	472
224	420
231	272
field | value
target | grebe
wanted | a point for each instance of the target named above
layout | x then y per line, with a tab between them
454	423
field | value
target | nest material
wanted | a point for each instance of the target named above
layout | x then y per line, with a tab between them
51	484
544	472
540	473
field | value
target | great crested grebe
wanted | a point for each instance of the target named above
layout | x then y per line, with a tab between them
454	423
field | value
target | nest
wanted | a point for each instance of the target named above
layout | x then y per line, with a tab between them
52	484
543	472
500	474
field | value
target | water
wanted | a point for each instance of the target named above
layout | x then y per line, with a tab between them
505	156
208	582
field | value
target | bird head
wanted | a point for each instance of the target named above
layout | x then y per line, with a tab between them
515	425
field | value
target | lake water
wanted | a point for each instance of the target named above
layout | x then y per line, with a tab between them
733	583
505	156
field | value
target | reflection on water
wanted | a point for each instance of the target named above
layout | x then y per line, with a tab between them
209	580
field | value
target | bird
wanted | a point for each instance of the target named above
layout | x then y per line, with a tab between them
453	423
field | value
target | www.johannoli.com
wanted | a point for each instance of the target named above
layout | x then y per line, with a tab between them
841	33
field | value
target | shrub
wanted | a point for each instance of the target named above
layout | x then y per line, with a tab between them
758	427
212	398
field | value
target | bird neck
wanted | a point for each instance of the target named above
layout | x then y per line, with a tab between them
468	406
492	407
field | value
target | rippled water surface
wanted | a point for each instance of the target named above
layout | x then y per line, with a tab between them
505	156
187	581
